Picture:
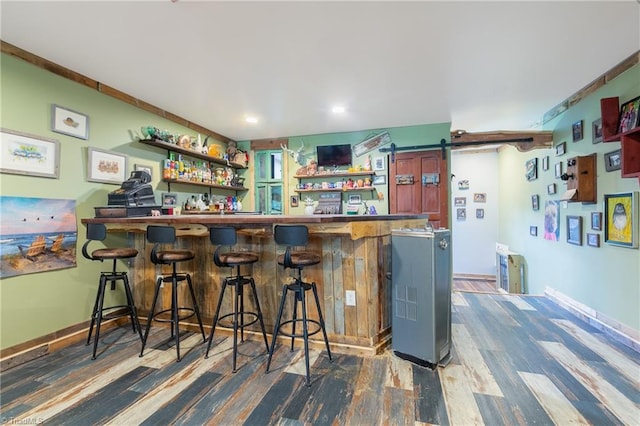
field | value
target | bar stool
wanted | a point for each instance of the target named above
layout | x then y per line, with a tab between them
98	232
167	235
226	236
294	236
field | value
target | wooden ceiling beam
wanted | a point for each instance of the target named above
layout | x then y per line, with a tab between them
521	140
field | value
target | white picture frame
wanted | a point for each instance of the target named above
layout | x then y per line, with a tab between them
29	155
378	164
106	166
69	122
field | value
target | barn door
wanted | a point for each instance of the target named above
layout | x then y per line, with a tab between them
418	184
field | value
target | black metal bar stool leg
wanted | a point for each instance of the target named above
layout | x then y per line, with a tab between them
195	307
305	333
276	328
216	316
150	318
103	284
260	319
132	307
321	319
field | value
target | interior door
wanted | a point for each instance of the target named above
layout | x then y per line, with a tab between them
418	184
268	181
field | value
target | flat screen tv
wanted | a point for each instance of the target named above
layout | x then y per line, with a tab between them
334	155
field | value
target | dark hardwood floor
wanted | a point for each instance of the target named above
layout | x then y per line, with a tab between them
515	360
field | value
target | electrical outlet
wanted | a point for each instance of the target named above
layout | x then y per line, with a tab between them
350	298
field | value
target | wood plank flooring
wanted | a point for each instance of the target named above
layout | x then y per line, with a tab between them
516	360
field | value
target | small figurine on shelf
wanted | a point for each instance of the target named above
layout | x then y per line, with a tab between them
367	164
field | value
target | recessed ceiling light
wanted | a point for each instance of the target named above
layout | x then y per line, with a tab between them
252	120
338	109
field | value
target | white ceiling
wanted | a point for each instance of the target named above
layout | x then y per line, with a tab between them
483	66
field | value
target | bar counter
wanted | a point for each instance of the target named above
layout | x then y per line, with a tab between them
356	256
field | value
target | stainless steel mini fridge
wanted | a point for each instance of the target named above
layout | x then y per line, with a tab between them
421	295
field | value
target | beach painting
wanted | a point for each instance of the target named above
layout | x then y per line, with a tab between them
36	235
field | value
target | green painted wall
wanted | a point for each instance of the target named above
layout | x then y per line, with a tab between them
37	304
607	279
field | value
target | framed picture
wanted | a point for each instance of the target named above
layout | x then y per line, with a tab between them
169	200
545	162
574	230
551	220
535	202
143	168
379	180
558	169
576	130
531	169
596	130
378	164
460	201
106	166
479	213
294	201
463	184
69	122
561	148
613	160
355	199
629	113
461	214
480	197
596	221
25	154
621	219
593	240
533	231
551	188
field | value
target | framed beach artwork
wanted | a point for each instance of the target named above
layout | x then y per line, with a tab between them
37	235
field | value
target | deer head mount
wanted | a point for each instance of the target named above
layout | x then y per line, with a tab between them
297	156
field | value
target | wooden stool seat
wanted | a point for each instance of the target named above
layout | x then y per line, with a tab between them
114	253
170	256
300	259
238	258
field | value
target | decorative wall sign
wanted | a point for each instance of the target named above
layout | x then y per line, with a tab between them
38	235
371	143
69	122
24	154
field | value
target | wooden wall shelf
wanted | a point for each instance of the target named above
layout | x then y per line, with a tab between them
629	141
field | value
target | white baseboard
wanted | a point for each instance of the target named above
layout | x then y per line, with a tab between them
621	332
